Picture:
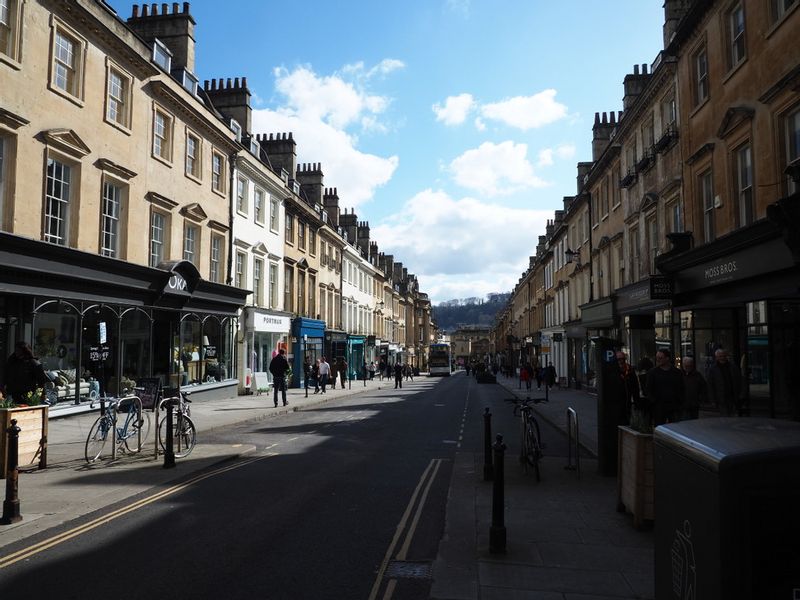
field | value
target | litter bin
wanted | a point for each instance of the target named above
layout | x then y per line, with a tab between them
727	509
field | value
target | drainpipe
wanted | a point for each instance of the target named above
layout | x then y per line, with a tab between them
591	262
232	162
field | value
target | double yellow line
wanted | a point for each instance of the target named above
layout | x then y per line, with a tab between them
428	475
10	559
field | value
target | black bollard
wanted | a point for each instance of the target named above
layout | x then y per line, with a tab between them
169	451
11	504
497	532
487	445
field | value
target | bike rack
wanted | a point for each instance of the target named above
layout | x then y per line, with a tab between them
572	433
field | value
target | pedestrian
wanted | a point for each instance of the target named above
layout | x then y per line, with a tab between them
24	373
665	390
550	376
324	372
371	369
341	370
725	384
626	386
389	371
315	375
467	367
539	374
696	389
381	370
524	377
398	375
279	367
307	373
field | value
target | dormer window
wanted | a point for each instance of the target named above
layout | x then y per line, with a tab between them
162	56
188	81
236	129
285	176
254	147
296	187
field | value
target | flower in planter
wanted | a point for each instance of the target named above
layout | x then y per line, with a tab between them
34	398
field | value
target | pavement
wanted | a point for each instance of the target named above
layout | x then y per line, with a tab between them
565	539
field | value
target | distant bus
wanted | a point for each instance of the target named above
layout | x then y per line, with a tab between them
440	362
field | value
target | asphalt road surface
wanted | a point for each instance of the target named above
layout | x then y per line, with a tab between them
343	500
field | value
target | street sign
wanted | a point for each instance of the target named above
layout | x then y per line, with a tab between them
545	344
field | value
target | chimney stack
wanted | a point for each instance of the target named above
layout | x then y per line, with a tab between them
174	28
330	202
633	85
604	124
310	176
232	100
281	150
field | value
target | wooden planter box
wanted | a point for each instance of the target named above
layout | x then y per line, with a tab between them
635	478
32	421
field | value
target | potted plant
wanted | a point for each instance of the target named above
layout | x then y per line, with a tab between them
31	416
635	475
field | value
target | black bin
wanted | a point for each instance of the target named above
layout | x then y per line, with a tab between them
727	509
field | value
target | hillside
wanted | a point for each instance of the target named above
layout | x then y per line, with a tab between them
452	314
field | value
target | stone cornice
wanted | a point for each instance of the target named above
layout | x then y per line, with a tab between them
109	166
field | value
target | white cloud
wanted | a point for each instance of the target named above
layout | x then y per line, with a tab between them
460	7
318	110
563	152
526	112
479	124
461	247
455	109
495	169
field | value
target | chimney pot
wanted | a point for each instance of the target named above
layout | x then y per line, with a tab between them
635	69
236	83
175	9
186	7
145	10
164	8
135	11
154	9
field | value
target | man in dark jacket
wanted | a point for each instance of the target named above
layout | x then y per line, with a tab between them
725	384
696	389
665	389
626	384
24	373
398	374
279	366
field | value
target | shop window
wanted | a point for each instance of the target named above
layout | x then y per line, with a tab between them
159	237
110	219
744	185
59	201
135	344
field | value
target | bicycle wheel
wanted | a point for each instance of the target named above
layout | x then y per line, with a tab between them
184	435
135	424
533	449
96	439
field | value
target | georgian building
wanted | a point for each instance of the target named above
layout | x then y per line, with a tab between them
115	227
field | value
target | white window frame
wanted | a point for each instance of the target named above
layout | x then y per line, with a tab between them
215	265
274	287
737	42
118	98
745	190
191	242
242	189
218	172
159	237
259	197
67	62
60	191
162	56
10	30
274	214
112	207
240	273
258	281
194	155
163	135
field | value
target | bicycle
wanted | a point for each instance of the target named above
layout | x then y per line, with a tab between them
129	436
184	433
531	446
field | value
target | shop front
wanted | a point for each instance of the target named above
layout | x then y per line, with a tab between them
646	321
599	319
306	342
263	335
100	325
577	353
741	293
356	356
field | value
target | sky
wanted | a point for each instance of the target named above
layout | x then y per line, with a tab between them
453	127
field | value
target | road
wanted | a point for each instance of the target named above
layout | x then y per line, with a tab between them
343	500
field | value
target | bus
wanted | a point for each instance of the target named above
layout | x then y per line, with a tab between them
440	362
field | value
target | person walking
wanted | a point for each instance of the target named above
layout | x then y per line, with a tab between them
307	373
725	384
665	389
324	373
24	373
550	376
626	385
398	375
315	375
279	366
371	369
381	370
696	389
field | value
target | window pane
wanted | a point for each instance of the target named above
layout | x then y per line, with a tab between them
157	226
57	202
112	196
745	182
216	245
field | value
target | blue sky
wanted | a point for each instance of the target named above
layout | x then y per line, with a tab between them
452	126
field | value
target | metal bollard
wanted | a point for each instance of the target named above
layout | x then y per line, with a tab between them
169	451
11	504
497	532
487	445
